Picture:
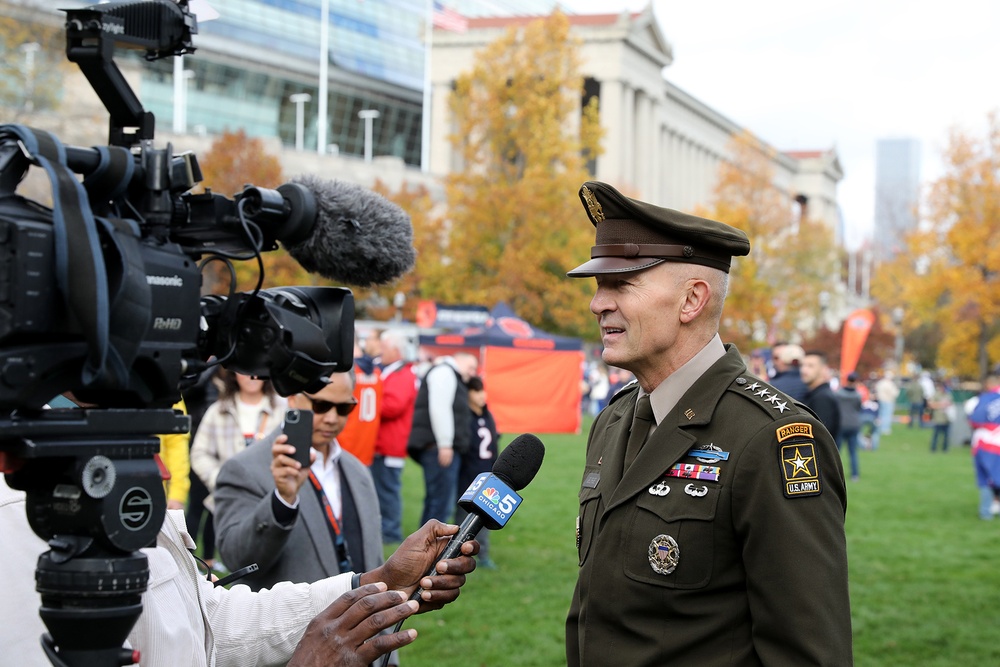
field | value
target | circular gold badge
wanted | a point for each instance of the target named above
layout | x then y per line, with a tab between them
664	554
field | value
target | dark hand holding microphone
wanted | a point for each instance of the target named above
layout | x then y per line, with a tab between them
492	497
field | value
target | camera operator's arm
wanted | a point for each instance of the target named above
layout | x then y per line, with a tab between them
264	628
186	620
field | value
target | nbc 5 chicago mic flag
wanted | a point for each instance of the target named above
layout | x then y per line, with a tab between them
449	19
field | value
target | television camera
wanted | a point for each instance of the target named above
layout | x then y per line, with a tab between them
100	299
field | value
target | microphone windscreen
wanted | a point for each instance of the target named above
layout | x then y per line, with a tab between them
519	461
360	237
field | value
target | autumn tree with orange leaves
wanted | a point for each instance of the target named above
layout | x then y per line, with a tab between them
948	275
429	236
515	224
773	292
33	65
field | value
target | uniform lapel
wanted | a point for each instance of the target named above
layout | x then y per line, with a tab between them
666	446
612	455
671	441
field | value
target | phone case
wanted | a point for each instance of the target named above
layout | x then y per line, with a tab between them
298	427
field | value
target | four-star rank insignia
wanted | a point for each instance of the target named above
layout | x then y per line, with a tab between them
799	466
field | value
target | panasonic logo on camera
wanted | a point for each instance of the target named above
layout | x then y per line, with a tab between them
165	281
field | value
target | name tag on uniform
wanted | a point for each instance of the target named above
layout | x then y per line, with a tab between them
591	480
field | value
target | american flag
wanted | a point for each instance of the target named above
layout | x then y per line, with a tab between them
449	19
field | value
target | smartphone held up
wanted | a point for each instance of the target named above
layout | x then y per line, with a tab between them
298	427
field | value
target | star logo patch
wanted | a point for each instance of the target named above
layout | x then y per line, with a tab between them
800	470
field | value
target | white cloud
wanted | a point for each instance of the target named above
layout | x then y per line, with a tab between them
844	74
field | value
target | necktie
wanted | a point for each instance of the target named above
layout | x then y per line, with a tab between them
640	429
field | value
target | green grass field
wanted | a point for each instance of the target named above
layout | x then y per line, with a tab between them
925	571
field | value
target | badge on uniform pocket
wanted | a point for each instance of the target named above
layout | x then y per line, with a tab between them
664	554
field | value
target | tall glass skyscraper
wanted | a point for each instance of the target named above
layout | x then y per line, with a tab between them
897	193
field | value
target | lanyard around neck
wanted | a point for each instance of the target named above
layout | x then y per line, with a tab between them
343	557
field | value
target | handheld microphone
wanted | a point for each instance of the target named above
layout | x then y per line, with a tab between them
492	497
359	237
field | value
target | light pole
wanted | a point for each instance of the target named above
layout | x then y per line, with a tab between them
824	306
368	115
324	75
181	78
29	49
897	319
299	100
399	300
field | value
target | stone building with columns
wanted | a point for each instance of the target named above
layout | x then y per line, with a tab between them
661	144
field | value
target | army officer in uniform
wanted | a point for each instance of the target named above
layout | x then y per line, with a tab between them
711	525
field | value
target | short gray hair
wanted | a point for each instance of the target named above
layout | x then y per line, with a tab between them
396	338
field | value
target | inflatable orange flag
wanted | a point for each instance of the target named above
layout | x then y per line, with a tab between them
856	329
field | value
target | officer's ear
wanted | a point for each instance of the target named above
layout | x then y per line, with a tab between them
697	294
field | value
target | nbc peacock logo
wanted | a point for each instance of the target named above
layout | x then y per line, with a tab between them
492	495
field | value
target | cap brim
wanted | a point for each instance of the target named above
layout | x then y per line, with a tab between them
604	265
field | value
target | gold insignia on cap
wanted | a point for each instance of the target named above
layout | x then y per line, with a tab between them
594	206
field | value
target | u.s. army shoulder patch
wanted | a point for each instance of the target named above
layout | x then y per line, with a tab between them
799	467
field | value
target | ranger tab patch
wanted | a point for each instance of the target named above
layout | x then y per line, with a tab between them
800	469
791	430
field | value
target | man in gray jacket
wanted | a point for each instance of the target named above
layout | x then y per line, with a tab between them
300	524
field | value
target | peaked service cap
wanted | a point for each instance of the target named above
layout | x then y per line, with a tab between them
633	235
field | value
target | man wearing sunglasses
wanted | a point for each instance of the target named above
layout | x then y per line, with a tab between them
300	524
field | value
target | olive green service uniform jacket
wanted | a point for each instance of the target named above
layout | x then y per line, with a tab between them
679	569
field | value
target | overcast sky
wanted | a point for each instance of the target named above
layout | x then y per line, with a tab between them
815	75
